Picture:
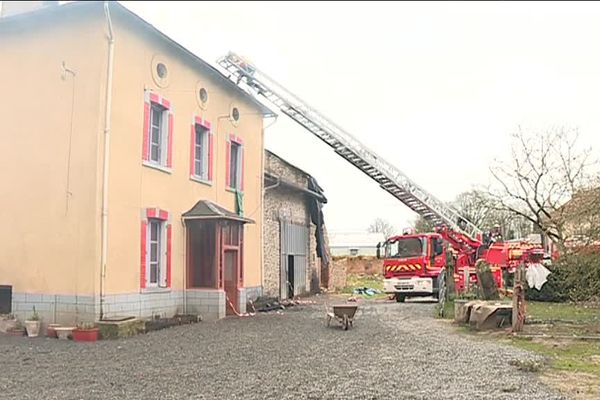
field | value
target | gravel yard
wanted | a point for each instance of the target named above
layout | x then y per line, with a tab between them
394	351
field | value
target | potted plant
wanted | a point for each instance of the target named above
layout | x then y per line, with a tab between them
32	325
85	332
51	330
64	332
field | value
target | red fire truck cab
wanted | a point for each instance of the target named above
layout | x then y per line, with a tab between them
412	264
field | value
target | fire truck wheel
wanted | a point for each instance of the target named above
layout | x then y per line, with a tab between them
400	298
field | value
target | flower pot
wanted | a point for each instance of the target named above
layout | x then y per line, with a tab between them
51	330
85	335
33	328
63	332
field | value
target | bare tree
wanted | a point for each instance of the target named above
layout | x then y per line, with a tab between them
479	207
474	205
379	225
545	171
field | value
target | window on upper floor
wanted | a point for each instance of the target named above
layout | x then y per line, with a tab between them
235	165
158	132
202	145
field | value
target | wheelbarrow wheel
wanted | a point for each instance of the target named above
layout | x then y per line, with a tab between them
346	322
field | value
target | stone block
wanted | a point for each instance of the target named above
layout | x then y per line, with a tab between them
121	329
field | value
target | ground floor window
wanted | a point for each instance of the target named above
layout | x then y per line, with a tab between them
157	271
156	249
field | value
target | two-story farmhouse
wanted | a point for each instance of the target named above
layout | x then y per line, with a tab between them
131	171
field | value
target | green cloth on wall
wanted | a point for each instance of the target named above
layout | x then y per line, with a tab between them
239	203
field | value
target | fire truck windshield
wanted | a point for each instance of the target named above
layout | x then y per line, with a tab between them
408	247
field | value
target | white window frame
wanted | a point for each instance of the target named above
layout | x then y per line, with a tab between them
163	133
201	151
237	182
161	270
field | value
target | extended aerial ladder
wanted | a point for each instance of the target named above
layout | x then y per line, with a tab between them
390	178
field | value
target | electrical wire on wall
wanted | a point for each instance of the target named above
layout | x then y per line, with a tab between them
65	72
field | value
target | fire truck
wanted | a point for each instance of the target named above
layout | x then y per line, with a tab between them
414	265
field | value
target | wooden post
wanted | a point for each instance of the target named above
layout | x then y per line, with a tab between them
467	277
518	310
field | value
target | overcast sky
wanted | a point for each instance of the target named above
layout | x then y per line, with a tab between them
434	88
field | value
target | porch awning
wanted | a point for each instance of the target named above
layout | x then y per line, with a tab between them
206	209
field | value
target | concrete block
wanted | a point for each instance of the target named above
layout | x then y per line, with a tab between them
120	329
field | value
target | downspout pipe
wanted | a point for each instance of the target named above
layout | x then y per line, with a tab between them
106	160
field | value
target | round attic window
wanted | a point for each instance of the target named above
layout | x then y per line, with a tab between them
235	114
161	70
203	95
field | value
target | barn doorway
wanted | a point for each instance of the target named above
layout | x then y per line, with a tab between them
294	244
290	276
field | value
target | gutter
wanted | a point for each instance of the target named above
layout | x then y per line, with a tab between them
106	160
293	186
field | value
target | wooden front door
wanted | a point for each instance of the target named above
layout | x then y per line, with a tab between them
230	267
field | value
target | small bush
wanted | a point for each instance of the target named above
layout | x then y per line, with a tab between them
574	277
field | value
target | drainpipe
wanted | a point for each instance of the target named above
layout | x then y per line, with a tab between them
262	204
105	164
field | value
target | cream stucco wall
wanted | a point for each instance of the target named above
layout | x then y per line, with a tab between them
47	248
134	186
50	245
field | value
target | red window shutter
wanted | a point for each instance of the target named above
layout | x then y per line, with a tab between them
210	156
143	231
163	215
242	168
227	162
146	133
169	234
193	150
170	141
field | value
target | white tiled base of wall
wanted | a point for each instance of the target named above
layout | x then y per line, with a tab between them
69	309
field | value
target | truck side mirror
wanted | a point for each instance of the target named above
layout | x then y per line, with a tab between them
378	250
